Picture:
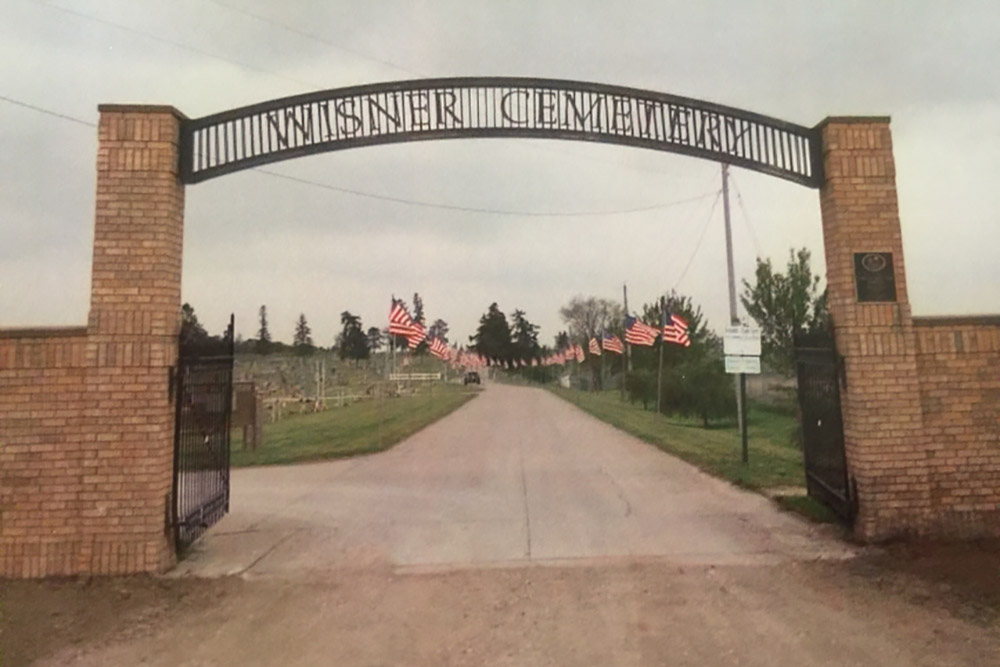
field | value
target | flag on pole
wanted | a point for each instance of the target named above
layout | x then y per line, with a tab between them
638	332
595	347
439	349
613	343
578	351
400	322
417	334
675	330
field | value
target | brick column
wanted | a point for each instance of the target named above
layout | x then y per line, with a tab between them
886	451
132	331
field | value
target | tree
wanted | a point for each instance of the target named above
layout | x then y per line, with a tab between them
264	345
352	343
492	337
562	340
191	330
784	305
590	316
438	330
302	342
374	339
524	337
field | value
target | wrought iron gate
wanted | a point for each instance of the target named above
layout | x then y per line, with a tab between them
203	398
818	368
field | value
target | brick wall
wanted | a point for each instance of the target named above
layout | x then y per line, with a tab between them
920	407
86	434
959	365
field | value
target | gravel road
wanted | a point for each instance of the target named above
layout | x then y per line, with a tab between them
516	531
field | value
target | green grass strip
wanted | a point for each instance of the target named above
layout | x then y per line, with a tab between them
359	428
775	460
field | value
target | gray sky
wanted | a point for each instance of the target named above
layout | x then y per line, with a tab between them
253	239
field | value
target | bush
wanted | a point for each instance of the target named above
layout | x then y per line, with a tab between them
640	385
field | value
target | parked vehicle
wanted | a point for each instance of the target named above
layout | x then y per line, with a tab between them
472	377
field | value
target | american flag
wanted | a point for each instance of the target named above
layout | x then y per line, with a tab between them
675	330
439	349
613	343
399	319
578	351
416	335
595	347
638	332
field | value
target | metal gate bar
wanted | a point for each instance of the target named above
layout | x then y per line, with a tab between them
818	369
203	386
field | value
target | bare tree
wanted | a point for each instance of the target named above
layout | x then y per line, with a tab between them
589	316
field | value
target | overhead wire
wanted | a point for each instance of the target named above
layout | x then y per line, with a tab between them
701	238
746	216
170	42
272	73
403	200
488	211
47	112
315	37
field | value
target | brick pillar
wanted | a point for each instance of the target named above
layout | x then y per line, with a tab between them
886	453
132	328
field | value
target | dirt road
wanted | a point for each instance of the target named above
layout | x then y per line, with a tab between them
517	531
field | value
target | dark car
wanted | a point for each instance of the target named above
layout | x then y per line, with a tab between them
471	377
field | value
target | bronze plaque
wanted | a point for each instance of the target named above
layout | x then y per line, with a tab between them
874	276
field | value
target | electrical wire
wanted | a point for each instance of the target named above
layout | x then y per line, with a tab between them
487	211
314	37
260	70
746	216
402	200
170	42
701	238
47	112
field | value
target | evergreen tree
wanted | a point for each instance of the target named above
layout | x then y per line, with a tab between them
191	330
352	343
264	345
438	330
524	337
302	342
374	339
492	337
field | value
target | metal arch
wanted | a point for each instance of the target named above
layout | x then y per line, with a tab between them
424	109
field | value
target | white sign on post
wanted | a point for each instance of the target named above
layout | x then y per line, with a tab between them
742	341
742	364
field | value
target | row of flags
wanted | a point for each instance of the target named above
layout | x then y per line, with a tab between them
402	324
673	329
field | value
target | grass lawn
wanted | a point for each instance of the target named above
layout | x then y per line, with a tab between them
775	461
359	428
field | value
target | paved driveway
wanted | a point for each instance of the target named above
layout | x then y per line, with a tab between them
516	475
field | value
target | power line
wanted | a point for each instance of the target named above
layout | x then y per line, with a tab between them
401	200
314	37
47	111
474	209
746	216
260	70
179	45
701	238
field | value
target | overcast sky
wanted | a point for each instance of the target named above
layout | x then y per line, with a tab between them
253	239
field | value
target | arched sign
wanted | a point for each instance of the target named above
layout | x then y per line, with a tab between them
495	107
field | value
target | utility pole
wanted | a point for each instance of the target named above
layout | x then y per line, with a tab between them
741	386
